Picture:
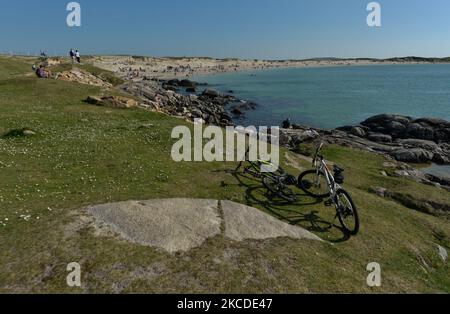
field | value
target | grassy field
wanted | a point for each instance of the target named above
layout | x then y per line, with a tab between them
83	155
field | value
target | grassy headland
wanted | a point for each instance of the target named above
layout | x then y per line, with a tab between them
82	154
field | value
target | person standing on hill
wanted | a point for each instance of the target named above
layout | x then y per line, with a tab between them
72	55
78	56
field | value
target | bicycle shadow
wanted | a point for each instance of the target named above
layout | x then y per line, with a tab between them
283	210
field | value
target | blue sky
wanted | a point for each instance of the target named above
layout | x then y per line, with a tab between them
265	29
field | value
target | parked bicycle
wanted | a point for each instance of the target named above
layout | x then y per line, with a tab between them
322	183
278	182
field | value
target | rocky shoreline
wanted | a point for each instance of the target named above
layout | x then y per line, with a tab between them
179	98
403	138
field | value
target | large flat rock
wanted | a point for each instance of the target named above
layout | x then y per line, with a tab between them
244	222
182	224
173	224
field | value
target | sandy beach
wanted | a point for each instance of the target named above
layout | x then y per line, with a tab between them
136	67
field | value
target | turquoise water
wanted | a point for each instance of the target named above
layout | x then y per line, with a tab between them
330	97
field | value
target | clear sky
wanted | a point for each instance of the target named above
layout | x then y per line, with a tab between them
264	29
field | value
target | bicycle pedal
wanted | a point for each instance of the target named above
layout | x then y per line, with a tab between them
328	203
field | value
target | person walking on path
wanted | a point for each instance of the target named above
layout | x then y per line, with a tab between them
72	55
78	56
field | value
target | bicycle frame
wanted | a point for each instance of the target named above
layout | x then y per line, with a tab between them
255	166
343	209
332	185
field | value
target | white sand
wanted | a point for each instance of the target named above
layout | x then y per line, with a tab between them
126	66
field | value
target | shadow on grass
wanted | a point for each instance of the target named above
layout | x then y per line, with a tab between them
257	195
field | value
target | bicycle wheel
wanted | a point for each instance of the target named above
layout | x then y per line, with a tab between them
314	184
347	213
275	185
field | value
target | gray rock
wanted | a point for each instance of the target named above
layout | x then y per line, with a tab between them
442	180
428	145
182	224
442	135
379	138
293	137
433	122
197	113
395	127
415	155
28	133
358	131
236	111
442	253
389	165
402	173
187	83
211	93
418	131
170	87
384	118
378	191
147	126
173	225
244	222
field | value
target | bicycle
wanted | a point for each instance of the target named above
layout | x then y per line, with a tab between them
277	181
322	183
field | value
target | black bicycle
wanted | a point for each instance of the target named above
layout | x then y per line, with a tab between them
322	183
274	178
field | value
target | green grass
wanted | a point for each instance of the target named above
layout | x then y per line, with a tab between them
13	66
84	155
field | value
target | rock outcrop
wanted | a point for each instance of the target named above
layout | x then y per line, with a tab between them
406	139
210	105
179	225
82	77
427	206
112	102
402	138
402	127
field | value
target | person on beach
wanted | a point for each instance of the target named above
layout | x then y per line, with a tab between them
78	56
